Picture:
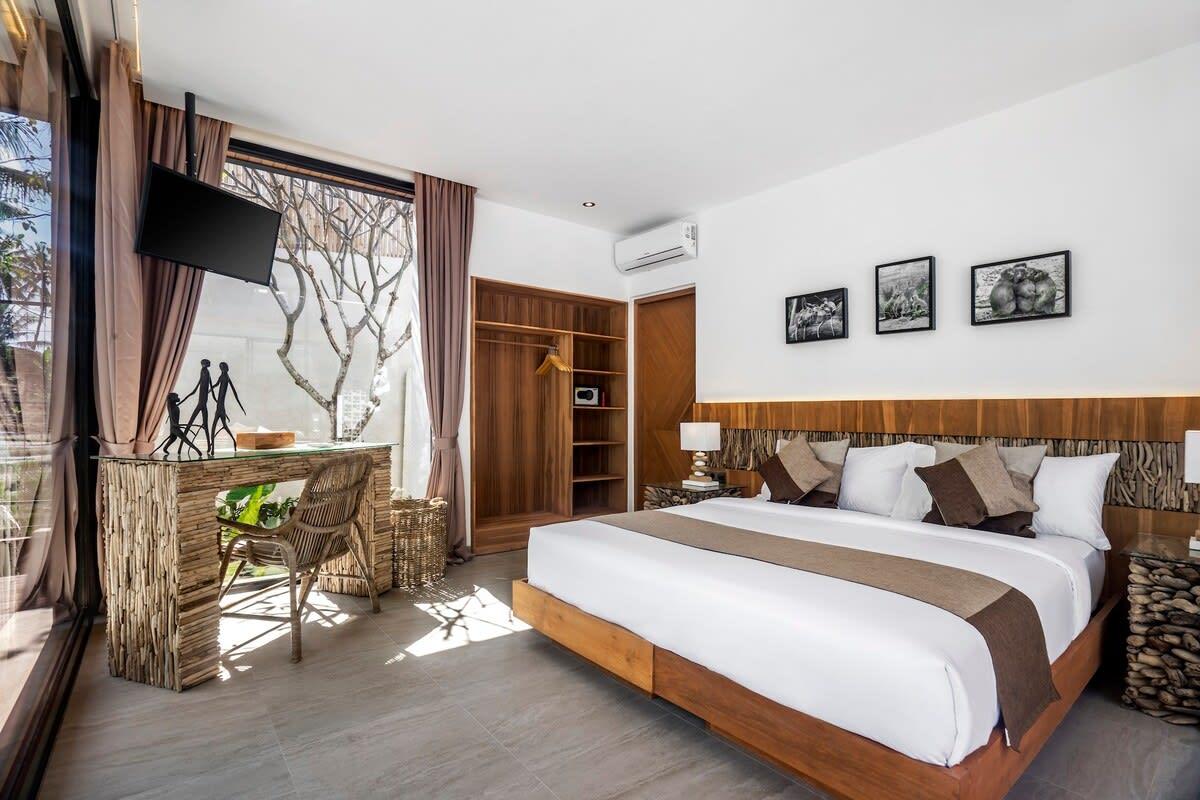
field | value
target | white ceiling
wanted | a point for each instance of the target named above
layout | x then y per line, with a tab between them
651	109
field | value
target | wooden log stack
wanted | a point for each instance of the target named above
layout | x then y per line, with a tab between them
1163	648
663	496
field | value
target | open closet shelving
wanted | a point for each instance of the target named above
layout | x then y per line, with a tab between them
536	456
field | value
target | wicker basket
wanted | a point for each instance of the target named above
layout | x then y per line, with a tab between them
418	541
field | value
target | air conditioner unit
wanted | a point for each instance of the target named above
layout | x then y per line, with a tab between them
666	244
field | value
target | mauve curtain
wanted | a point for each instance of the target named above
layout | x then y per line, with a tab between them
445	214
145	308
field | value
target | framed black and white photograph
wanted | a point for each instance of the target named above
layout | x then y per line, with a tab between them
1035	287
904	296
816	316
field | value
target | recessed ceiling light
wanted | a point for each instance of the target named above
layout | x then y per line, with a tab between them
589	204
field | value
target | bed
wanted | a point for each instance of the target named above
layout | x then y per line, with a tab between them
864	692
892	669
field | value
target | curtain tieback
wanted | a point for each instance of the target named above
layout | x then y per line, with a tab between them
445	443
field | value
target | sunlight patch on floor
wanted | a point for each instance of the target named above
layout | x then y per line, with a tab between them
459	614
476	616
253	625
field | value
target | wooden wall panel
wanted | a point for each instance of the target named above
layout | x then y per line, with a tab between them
1153	419
665	385
510	429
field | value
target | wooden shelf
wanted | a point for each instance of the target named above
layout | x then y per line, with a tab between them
510	531
583	512
599	408
599	337
525	520
512	327
611	476
597	443
612	372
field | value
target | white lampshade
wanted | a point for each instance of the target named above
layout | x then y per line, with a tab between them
1191	457
698	436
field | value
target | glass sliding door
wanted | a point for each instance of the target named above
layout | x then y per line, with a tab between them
38	483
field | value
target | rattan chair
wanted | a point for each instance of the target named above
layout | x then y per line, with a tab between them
323	526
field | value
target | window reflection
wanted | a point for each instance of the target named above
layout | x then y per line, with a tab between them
30	489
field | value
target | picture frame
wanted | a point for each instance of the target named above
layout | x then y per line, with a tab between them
906	296
816	316
1021	289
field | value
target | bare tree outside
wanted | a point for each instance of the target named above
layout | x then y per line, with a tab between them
348	251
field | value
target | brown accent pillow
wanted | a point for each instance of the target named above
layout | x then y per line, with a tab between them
1022	464
793	472
973	487
832	456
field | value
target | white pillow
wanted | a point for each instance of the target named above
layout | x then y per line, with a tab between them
1069	492
872	477
915	501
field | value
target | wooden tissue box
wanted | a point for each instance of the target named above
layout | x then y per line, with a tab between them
265	440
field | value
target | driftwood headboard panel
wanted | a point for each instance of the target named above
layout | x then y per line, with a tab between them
1145	493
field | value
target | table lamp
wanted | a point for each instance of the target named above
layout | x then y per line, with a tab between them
700	437
1191	473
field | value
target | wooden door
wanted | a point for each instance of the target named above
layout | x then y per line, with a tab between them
664	384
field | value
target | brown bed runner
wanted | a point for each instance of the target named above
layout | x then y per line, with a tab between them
1004	616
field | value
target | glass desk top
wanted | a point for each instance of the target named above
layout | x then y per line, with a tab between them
1162	548
678	486
298	449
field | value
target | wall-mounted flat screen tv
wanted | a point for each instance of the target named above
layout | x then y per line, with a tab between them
189	222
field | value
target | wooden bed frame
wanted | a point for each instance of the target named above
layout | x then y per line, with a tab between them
840	762
844	763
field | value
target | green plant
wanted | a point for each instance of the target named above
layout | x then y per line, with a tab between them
250	505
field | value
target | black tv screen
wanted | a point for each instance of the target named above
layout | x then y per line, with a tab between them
189	222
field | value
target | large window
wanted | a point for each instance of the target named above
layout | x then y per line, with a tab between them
31	461
329	348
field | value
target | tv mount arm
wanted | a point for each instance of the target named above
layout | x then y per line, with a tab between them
189	128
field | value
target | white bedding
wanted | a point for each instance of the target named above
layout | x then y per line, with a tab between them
906	674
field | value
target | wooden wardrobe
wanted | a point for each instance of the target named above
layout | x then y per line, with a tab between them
536	456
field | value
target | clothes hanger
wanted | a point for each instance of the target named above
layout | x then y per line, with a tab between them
552	361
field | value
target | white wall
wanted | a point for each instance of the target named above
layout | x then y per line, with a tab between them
519	246
510	244
1107	169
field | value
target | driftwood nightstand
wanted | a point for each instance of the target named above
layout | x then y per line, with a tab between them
1163	649
662	495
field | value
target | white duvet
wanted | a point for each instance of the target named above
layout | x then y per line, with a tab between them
906	674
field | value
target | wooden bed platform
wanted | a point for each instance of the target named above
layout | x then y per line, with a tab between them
840	762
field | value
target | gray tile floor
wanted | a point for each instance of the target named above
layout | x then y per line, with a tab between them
444	695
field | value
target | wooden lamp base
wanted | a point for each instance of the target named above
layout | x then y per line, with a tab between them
700	479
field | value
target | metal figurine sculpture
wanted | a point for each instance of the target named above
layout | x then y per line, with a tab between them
178	433
221	415
204	387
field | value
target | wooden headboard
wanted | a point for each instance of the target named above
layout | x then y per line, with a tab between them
1146	492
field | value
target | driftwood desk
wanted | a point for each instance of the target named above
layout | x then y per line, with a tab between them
160	552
